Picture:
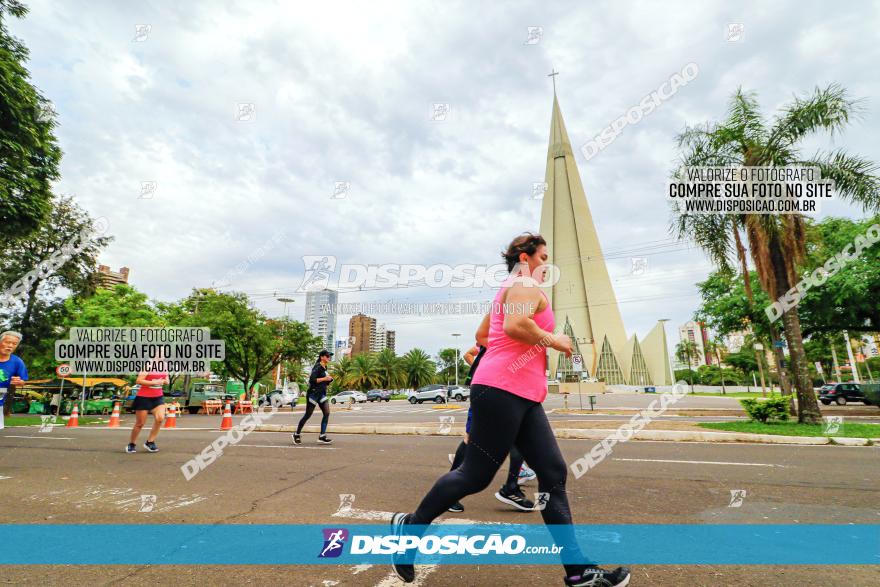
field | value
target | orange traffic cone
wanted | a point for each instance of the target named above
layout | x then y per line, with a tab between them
73	421
114	417
226	422
171	417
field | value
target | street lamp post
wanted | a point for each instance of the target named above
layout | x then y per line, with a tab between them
456	335
285	301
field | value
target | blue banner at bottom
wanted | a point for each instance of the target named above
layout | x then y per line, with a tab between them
275	544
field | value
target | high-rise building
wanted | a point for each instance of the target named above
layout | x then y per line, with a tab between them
695	333
321	315
390	340
361	333
377	342
108	278
583	298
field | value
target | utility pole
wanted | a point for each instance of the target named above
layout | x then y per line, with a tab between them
456	335
836	363
285	301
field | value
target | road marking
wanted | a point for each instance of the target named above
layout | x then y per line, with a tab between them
44	436
2	477
702	462
286	446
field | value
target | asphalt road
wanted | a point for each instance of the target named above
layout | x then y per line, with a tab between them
82	476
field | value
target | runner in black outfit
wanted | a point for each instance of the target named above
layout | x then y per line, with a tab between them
317	396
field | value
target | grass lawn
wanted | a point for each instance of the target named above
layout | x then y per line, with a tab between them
847	429
34	420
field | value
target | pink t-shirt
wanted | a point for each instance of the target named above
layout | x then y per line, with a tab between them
515	367
152	390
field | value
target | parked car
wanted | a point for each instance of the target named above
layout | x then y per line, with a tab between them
840	393
458	392
434	392
348	396
378	395
278	397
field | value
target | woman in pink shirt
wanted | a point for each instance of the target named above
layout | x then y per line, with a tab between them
506	395
149	400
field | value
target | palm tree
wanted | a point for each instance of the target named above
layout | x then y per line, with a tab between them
419	368
776	242
341	371
714	347
364	372
390	369
684	350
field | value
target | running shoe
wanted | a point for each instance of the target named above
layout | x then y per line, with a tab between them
406	572
515	498
297	439
324	440
456	507
596	577
525	475
151	446
131	448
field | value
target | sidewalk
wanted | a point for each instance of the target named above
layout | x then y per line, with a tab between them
678	432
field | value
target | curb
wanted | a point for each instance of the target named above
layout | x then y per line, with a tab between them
586	434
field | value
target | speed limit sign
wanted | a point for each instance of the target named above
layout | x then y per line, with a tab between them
577	363
62	370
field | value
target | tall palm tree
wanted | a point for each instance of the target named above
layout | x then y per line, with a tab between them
419	368
684	350
713	347
365	372
390	369
776	243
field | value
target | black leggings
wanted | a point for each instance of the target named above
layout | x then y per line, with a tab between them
500	421
310	408
516	463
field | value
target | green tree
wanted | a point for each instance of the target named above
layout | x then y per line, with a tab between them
390	369
341	371
365	372
62	252
776	242
446	359
29	152
684	351
254	344
419	368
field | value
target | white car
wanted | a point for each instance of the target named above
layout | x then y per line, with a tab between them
348	396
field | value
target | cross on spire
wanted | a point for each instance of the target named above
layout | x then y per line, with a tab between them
553	75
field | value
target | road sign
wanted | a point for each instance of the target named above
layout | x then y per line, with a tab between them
577	363
759	346
779	344
819	368
63	370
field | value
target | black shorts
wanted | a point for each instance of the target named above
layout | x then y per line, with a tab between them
146	403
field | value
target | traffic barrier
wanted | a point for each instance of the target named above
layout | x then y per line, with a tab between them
114	417
73	421
171	417
226	422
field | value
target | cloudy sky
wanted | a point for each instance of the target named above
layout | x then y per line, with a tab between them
343	92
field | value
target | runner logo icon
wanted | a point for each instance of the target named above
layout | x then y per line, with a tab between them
334	540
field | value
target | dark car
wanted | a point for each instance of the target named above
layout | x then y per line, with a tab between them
840	393
378	395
